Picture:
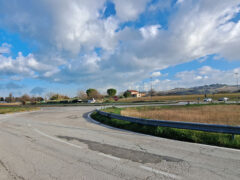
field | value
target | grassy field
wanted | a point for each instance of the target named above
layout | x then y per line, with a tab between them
213	114
232	96
4	110
11	104
217	139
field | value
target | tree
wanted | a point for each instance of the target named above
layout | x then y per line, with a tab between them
25	97
81	95
93	93
36	99
1	99
10	98
39	99
112	92
127	94
58	97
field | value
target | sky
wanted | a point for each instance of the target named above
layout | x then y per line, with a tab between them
66	46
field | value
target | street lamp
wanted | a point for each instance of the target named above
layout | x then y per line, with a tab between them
237	79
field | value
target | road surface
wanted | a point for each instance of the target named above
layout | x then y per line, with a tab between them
62	143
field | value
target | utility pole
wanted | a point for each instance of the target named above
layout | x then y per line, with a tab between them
237	85
237	80
151	88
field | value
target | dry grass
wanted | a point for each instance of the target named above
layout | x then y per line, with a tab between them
213	114
232	96
10	104
13	109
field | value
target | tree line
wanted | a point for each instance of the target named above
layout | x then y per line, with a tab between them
83	95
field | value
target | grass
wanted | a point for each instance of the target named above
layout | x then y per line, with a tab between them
232	96
4	110
10	104
212	114
217	139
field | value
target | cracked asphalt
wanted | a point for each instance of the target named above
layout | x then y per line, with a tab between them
62	143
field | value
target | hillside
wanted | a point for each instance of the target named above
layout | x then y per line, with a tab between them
209	89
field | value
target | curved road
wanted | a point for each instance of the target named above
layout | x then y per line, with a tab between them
63	143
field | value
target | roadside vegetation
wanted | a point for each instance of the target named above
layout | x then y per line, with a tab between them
212	114
12	109
218	139
112	96
231	96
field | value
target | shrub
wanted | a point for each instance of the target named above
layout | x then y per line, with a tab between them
111	92
127	94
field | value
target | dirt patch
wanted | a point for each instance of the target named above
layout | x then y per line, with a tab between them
73	117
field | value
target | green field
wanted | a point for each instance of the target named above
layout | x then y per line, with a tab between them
12	109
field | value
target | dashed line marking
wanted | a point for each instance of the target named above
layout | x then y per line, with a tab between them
109	156
56	139
160	172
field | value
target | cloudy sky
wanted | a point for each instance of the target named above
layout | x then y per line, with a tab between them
69	45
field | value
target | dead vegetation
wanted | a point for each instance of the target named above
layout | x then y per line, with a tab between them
212	114
231	96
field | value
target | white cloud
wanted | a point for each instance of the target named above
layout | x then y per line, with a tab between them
156	74
67	33
203	76
198	77
26	66
5	48
129	10
150	31
179	1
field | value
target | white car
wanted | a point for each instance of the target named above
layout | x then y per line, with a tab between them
92	100
207	100
223	99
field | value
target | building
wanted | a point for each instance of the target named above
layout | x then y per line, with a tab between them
137	94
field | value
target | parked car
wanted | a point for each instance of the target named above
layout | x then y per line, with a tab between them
92	100
223	99
64	101
76	101
207	100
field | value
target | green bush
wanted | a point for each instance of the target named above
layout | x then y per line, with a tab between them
111	92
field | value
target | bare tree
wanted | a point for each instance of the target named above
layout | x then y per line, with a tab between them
26	97
10	98
81	95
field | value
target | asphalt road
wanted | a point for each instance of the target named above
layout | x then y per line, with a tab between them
64	144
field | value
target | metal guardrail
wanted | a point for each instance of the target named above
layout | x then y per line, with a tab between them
180	125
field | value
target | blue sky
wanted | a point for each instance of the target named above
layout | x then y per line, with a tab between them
67	46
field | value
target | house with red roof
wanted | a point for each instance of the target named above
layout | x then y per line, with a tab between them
137	94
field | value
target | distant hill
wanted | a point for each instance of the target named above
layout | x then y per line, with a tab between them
209	89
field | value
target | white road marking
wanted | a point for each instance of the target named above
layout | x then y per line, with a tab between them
160	172
56	139
109	156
